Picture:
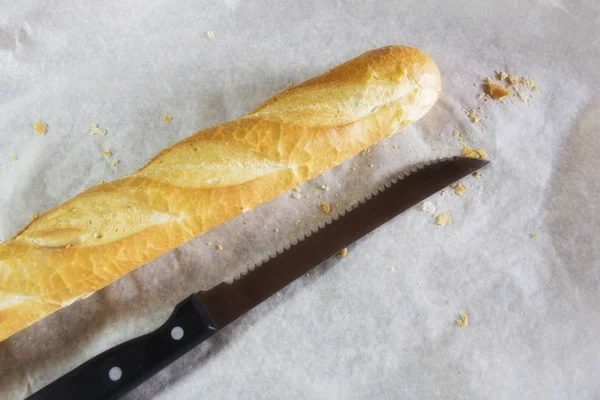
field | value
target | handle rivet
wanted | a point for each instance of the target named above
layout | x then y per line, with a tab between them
177	333
115	374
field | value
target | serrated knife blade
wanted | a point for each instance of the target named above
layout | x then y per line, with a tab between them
227	301
120	369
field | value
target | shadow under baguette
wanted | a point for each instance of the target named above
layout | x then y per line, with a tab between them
139	302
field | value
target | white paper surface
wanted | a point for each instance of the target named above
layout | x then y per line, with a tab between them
379	323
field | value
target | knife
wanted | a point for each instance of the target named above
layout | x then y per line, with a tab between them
115	372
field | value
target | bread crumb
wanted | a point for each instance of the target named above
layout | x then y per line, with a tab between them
443	219
469	152
366	151
343	252
107	153
96	130
35	215
460	189
297	222
15	157
513	79
296	189
326	207
463	322
219	247
479	153
533	235
460	137
497	91
324	187
428	207
210	34
276	230
114	163
480	188
297	69
395	147
477	174
371	165
296	196
289	84
167	118
101	182
532	84
473	116
40	128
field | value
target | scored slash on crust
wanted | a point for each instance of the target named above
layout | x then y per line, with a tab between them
303	236
342	127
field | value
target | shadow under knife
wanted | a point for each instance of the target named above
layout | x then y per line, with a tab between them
211	348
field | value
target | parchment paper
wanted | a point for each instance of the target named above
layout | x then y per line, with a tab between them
379	323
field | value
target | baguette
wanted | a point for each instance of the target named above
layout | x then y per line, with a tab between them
105	232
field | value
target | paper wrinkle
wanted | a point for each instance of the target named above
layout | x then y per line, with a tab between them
378	323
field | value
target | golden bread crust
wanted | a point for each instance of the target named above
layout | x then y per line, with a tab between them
108	230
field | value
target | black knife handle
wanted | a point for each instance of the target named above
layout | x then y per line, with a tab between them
113	373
